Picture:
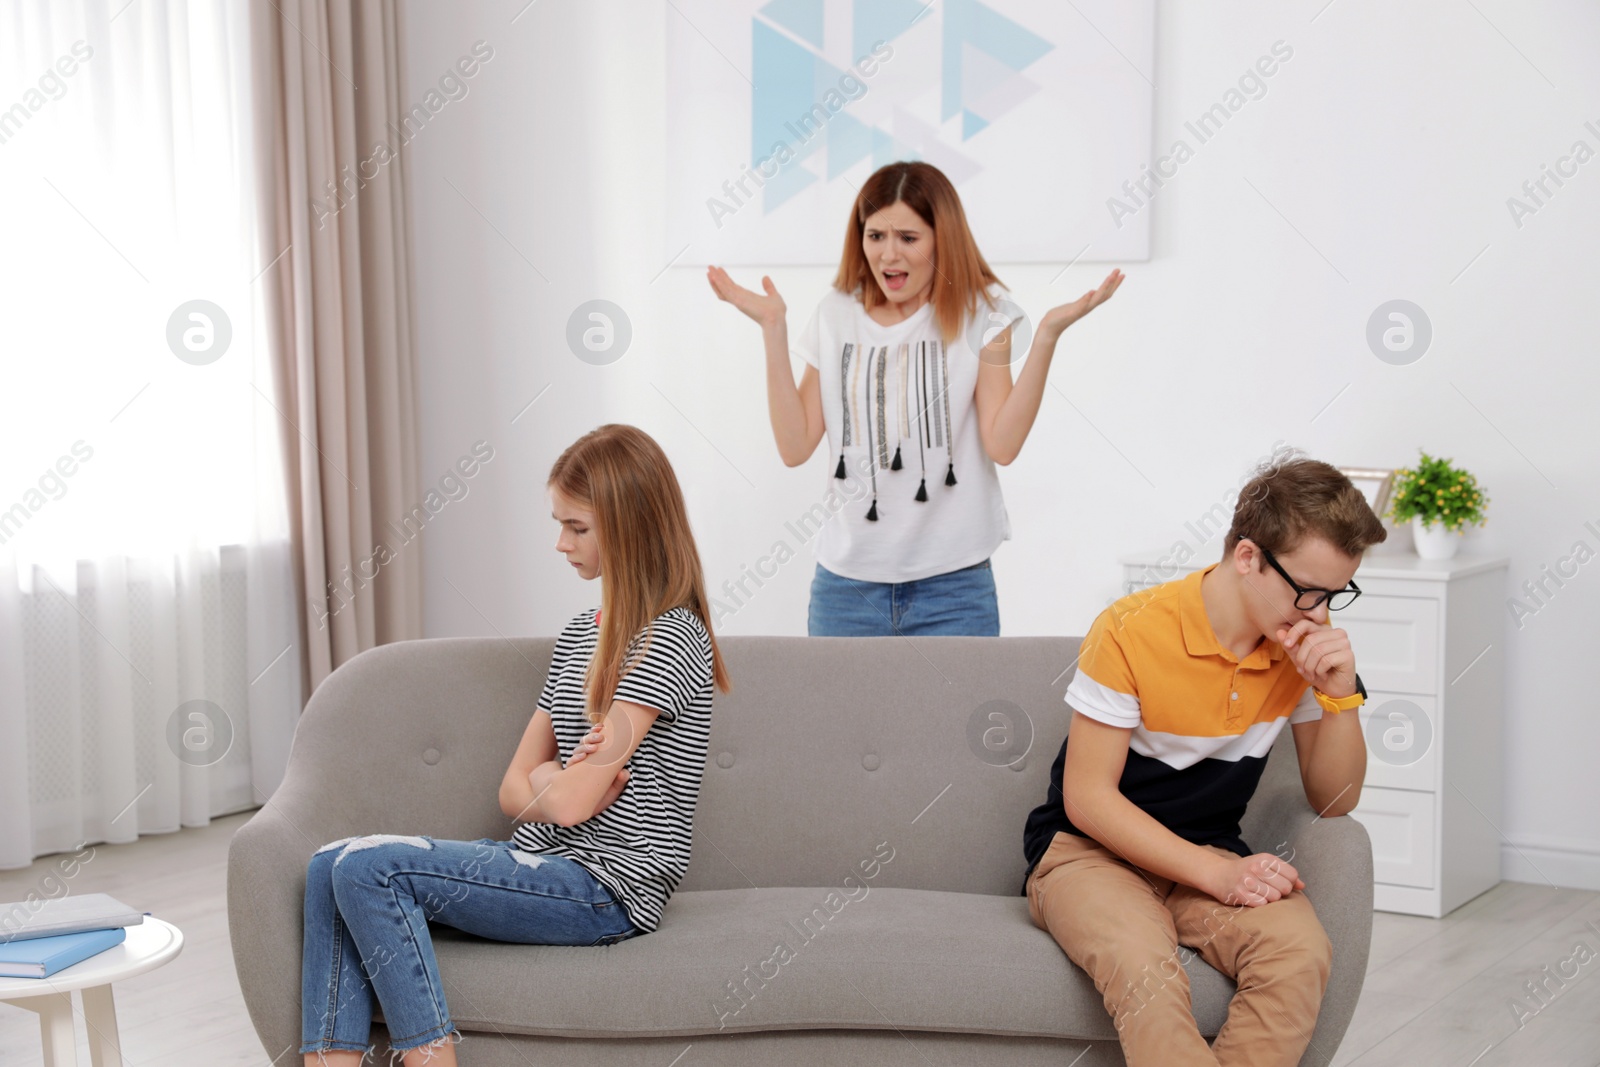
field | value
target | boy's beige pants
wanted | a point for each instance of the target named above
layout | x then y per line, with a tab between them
1124	925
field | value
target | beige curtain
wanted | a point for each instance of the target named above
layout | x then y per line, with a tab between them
327	82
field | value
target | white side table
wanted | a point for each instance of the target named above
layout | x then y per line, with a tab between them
1429	638
147	946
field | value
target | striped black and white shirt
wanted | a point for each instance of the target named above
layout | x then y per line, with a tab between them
639	846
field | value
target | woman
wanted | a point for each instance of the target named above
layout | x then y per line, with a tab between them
893	367
604	781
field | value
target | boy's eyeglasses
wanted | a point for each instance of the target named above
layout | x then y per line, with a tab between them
1306	599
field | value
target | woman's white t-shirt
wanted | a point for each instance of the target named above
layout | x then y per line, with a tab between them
900	388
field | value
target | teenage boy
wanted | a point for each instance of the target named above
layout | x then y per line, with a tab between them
1180	693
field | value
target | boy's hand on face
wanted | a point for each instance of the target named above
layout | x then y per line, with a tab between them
1252	881
1322	655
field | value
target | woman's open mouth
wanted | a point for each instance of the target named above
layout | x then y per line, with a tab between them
894	279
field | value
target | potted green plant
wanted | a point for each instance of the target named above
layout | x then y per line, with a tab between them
1439	499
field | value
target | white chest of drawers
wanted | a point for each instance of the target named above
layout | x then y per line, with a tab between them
1429	639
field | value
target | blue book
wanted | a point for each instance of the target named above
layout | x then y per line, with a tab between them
40	957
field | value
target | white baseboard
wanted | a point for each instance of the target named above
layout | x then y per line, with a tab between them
1571	868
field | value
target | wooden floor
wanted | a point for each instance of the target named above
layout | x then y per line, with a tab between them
1438	991
187	1012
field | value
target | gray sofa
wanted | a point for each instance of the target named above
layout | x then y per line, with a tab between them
854	892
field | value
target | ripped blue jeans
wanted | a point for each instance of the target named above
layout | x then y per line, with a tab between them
369	900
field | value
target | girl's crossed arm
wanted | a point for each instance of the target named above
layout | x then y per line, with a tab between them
537	788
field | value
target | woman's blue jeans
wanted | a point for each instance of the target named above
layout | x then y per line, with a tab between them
368	903
959	602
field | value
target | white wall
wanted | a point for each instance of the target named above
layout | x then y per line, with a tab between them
1377	166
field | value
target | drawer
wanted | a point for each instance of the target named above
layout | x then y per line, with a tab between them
1396	642
1402	732
1400	823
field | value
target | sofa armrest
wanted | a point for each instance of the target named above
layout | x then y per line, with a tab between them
410	737
266	916
1334	858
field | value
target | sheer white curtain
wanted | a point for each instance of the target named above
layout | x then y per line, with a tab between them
150	650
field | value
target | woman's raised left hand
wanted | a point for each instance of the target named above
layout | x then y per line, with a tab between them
1059	318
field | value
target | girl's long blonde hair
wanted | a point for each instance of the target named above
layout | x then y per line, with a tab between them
648	560
961	276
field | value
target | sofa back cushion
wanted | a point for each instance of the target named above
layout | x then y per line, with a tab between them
831	753
848	763
828	755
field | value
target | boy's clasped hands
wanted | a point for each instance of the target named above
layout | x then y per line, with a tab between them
1254	880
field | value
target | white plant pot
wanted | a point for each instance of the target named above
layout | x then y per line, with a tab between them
1435	541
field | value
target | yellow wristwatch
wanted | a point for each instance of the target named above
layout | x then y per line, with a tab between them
1334	706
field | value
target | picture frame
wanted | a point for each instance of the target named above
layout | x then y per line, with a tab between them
1375	484
776	114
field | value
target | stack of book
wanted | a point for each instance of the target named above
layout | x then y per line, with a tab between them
40	937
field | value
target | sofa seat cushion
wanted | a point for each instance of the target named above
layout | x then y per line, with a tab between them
734	960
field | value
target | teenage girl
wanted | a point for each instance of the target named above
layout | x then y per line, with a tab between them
604	783
895	366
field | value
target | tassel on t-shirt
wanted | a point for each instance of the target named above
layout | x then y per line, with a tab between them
883	430
844	398
929	379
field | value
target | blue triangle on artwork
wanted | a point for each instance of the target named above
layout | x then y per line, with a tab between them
848	141
881	20
978	24
790	179
785	79
803	18
971	123
883	149
826	79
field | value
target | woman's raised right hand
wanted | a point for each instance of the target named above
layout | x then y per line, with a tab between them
766	310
